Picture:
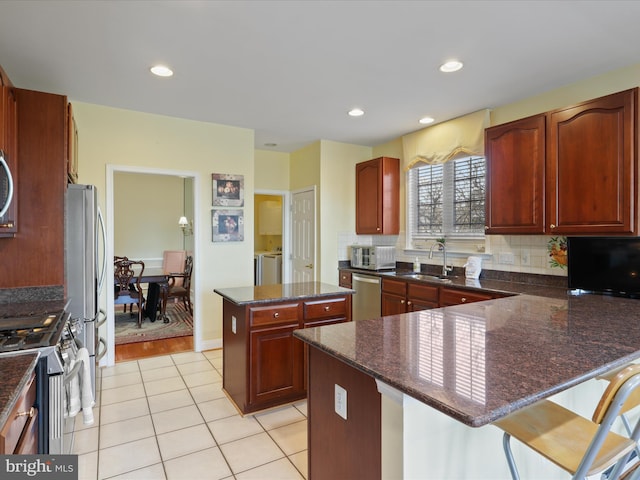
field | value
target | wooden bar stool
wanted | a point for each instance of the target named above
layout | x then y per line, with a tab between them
580	446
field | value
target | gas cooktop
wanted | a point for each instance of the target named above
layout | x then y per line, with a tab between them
21	333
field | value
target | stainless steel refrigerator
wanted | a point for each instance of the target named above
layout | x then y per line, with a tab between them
85	266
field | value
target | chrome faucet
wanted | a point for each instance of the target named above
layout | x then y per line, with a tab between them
445	268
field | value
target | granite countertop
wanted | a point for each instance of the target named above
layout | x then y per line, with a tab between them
280	292
26	309
482	284
478	362
15	371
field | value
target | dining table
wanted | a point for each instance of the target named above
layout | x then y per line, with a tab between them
157	280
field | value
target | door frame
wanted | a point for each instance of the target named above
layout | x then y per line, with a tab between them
109	358
286	228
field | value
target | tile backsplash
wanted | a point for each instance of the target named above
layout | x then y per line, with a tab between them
511	253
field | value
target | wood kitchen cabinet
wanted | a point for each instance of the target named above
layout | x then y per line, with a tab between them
571	171
264	365
454	296
515	159
344	279
378	196
275	356
36	257
592	167
9	147
19	435
399	296
72	146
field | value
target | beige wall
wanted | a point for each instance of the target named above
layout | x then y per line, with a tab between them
110	136
337	212
146	223
272	170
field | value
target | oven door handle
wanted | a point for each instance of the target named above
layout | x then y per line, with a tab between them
73	373
104	352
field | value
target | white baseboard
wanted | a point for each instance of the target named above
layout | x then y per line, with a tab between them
214	344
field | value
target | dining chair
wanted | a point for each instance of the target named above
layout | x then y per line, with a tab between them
127	284
173	261
576	444
183	290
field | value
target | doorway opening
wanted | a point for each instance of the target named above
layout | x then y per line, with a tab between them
271	237
152	229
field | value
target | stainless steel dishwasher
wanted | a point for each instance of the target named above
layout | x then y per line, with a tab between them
366	301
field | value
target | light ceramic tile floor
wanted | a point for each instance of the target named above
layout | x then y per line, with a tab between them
167	418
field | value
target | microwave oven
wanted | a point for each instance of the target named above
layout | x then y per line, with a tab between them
6	186
373	257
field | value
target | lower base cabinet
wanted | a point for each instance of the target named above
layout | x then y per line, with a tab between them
264	365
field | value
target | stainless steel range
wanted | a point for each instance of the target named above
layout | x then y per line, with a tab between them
52	334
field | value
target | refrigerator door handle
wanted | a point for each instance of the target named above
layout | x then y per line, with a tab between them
101	321
101	341
103	234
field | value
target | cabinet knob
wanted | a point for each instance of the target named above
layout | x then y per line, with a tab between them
30	413
409	303
463	299
327	308
486	227
552	226
401	301
276	315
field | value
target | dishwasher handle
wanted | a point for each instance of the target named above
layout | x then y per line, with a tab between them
365	278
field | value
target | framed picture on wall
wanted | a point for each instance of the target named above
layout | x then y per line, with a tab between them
228	190
227	226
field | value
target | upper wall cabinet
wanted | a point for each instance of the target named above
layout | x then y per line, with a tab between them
515	155
9	147
72	146
592	167
572	171
378	196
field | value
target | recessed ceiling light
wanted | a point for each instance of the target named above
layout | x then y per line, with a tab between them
270	144
356	112
426	120
161	71
451	66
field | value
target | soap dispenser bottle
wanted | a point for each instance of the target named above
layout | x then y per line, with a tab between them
416	265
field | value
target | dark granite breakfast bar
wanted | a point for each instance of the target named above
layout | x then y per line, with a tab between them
476	363
526	348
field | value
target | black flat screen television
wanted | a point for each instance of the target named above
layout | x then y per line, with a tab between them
604	264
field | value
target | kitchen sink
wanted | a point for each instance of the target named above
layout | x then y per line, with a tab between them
425	277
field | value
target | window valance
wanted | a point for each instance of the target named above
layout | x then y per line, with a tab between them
460	137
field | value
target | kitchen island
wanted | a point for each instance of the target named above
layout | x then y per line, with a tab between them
444	375
263	364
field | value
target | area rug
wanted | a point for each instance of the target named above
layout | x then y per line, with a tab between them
127	331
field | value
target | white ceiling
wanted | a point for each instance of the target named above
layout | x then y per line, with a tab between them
291	70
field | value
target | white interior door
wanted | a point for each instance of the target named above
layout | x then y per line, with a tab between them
303	233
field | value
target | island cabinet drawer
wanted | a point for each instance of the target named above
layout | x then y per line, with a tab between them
274	314
319	309
397	287
427	293
452	296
